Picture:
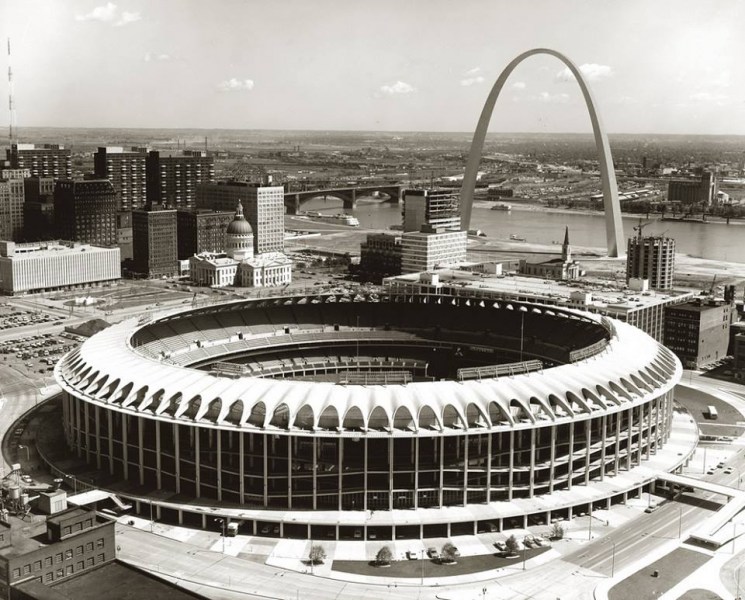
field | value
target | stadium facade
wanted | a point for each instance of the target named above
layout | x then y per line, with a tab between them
333	416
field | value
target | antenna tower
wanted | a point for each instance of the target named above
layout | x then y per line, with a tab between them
11	105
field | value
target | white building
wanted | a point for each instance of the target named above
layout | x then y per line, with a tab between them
437	208
238	266
429	248
264	207
55	265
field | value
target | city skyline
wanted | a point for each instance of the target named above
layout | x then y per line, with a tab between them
661	68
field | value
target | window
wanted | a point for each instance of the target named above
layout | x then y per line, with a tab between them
89	561
48	577
99	543
59	573
68	554
89	546
26	569
79	550
80	566
16	572
58	557
48	561
37	565
100	558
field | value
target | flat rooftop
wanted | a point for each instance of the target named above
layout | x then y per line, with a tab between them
601	296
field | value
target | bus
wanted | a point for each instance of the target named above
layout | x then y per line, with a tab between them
711	412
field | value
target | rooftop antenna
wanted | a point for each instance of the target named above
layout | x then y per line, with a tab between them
11	105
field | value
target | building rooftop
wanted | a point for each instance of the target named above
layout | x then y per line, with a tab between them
19	251
601	296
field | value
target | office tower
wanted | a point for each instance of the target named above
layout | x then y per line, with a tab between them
172	180
380	256
54	265
426	249
125	169
154	237
438	208
12	196
651	258
698	331
201	231
124	234
85	211
263	206
47	160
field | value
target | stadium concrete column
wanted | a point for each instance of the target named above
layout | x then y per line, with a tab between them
613	223
218	449
639	435
531	481
364	476
125	447
97	416
416	472
603	442
315	473
488	465
570	458
512	465
588	449
197	462
141	449
110	429
441	480
77	427
617	453
465	469
265	471
158	461
177	456
241	465
552	461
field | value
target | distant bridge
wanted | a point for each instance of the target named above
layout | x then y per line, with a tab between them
293	200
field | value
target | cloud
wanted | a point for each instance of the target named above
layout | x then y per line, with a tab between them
236	85
471	80
109	13
709	98
553	98
127	18
472	72
590	71
400	87
152	56
518	85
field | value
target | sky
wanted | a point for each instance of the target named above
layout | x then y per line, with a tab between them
654	66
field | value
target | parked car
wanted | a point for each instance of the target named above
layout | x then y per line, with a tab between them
411	554
501	546
433	553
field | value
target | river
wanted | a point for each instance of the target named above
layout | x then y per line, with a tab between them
715	241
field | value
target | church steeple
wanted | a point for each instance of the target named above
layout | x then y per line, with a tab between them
566	250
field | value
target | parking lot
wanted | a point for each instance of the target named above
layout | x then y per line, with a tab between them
37	353
11	317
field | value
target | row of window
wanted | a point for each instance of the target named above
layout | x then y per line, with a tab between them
58	558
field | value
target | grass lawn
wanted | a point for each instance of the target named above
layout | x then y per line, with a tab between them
673	568
429	568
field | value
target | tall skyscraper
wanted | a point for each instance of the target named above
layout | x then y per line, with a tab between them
172	180
47	160
12	197
263	205
154	237
85	211
651	258
201	231
38	209
437	208
126	171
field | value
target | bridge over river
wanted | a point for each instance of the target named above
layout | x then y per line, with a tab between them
294	200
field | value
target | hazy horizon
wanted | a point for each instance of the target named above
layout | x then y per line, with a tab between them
669	66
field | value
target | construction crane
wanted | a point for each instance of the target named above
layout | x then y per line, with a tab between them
638	228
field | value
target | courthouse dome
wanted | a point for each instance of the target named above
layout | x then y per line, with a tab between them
239	225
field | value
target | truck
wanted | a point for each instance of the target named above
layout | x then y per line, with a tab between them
711	412
231	530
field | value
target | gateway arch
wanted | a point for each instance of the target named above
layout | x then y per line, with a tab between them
613	223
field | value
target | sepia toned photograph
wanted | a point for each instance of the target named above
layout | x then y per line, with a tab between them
339	299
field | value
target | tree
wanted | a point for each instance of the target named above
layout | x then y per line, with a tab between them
512	545
557	531
384	556
449	552
317	554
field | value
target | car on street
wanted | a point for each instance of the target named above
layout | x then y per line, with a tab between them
501	546
433	553
411	554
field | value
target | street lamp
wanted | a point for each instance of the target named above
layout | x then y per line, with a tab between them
613	560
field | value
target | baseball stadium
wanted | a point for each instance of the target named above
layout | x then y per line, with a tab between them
370	417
